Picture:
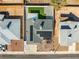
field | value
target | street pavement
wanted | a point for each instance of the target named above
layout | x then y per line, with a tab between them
66	56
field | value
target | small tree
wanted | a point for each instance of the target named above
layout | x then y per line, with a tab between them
58	3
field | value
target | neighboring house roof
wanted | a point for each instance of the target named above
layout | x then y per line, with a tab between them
71	17
65	27
8	33
3	15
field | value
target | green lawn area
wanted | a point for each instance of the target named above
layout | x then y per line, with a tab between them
39	10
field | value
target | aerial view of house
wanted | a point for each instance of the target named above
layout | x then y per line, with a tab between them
39	26
68	27
10	27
